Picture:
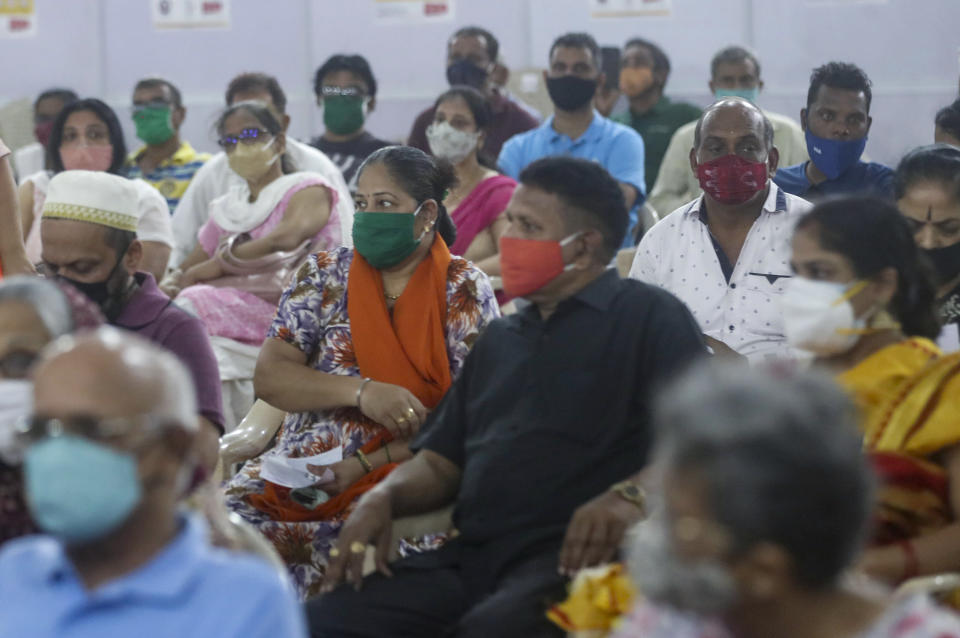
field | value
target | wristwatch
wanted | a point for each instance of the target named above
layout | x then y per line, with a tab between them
630	491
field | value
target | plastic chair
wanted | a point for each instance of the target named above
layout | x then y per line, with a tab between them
936	585
251	436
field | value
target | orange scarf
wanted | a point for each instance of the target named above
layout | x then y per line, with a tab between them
408	349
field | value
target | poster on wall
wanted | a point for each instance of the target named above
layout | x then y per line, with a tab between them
413	11
840	3
629	8
18	19
191	14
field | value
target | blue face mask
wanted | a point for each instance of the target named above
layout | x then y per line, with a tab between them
748	94
79	490
834	157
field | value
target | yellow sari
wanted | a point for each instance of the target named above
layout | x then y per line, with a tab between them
909	394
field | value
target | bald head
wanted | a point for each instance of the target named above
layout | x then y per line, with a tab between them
733	114
112	374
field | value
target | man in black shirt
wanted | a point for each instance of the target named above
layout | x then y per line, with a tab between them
540	439
347	92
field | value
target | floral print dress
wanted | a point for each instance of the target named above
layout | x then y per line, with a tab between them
312	316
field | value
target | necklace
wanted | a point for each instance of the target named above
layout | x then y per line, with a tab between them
391	297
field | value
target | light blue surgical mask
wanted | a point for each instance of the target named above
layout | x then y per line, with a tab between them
748	94
79	490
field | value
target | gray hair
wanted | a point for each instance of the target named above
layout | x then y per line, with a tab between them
733	54
730	101
46	299
781	458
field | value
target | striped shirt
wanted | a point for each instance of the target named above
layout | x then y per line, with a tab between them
173	175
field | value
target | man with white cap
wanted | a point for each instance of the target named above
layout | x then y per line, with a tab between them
108	453
88	230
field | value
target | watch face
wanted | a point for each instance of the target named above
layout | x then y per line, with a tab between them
631	491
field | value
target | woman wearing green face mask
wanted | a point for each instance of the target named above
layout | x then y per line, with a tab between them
257	235
364	344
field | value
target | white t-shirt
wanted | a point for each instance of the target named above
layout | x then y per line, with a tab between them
154	222
216	177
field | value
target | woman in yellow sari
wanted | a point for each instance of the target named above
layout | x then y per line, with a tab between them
863	302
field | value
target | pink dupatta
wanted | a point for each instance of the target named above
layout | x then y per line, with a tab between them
479	209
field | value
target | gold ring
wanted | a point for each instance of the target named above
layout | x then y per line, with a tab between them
411	413
402	419
357	547
334	552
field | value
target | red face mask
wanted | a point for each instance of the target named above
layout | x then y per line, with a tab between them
731	179
88	158
42	131
527	265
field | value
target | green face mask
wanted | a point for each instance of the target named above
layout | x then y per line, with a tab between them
748	94
385	239
153	124
343	114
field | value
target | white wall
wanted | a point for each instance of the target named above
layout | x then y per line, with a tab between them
101	47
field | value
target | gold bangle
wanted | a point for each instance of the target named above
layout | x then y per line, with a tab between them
364	461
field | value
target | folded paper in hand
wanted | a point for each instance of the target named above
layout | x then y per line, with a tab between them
293	473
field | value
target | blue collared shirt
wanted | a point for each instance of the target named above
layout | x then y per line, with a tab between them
188	589
616	147
863	178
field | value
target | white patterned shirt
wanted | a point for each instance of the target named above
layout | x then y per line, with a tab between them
737	304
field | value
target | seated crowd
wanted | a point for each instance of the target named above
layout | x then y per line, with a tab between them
358	388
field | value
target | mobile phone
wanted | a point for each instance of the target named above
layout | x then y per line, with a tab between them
610	65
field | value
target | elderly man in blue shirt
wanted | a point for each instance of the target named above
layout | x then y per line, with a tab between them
836	123
576	129
107	454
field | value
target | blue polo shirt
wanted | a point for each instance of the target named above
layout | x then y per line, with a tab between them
616	147
863	178
188	589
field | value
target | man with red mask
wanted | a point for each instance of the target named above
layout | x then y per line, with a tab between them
726	254
31	158
539	441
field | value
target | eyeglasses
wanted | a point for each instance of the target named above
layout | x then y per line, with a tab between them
341	91
247	137
110	431
152	104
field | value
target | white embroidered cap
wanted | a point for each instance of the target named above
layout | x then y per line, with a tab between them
93	196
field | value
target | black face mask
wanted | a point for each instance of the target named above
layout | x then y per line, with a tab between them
468	73
570	93
108	297
946	260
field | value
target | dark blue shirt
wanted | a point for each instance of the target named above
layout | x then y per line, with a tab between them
863	178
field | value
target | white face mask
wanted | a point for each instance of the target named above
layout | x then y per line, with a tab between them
450	144
819	317
16	403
